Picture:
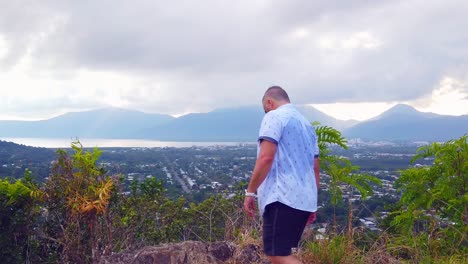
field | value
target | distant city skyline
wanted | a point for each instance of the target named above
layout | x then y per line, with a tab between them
350	60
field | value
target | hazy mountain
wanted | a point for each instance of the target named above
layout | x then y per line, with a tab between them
102	123
403	122
230	124
234	124
313	114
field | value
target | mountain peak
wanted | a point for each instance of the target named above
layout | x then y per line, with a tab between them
403	107
400	110
403	122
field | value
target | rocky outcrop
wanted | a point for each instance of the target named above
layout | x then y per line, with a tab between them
189	252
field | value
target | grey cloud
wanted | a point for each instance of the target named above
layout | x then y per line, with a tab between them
20	23
197	37
214	53
42	109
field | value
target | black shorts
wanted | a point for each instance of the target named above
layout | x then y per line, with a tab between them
282	228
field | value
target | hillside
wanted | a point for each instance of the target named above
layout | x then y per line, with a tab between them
102	123
15	159
403	122
234	124
313	114
230	124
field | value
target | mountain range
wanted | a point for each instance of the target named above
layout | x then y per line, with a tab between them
101	123
402	122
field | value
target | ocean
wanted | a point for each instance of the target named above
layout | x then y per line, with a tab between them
112	143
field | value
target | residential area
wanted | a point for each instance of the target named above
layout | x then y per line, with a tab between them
197	172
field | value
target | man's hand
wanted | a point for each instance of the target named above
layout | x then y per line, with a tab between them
312	218
249	205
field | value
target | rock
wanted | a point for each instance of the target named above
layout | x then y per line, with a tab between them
222	251
248	254
189	252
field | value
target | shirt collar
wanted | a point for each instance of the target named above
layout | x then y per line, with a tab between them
288	105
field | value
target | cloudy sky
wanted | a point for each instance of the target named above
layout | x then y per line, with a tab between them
351	59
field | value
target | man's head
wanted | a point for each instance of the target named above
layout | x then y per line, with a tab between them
274	97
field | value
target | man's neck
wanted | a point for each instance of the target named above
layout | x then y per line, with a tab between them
282	104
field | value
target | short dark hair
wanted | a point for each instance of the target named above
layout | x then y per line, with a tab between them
277	93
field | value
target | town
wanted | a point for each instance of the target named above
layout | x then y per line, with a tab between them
198	172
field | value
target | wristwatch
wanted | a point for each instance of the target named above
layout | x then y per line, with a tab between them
250	194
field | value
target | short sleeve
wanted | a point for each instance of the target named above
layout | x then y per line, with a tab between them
271	128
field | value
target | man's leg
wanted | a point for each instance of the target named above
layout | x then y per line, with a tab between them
284	260
282	230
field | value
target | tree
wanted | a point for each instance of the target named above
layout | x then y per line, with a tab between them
18	211
146	216
342	173
434	197
77	196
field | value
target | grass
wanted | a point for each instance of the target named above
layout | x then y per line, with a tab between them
362	248
385	249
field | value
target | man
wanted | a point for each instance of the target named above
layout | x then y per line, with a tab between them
286	176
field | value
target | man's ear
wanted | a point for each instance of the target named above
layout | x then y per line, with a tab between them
272	103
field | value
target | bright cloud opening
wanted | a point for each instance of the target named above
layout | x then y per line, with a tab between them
450	98
356	111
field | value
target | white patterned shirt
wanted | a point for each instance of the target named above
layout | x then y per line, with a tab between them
291	179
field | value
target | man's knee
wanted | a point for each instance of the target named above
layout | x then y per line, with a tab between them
284	260
275	259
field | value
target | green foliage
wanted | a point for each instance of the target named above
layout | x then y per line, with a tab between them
152	188
440	187
384	248
328	135
424	248
77	196
18	210
215	218
87	213
14	193
336	249
342	173
146	216
340	170
434	202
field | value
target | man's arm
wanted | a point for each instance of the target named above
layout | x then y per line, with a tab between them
313	215
317	172
260	172
262	165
